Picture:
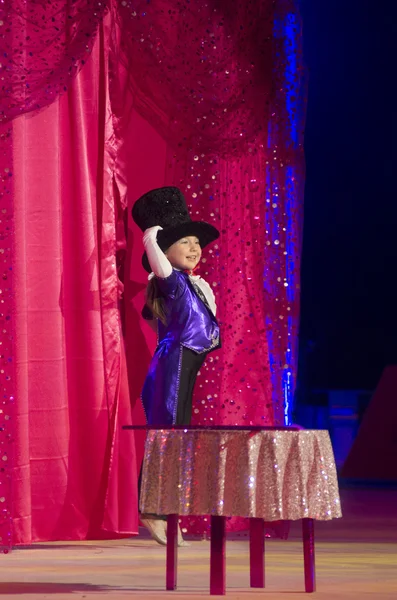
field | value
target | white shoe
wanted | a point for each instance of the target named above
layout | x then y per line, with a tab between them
181	541
156	528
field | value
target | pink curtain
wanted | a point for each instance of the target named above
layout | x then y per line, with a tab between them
7	372
74	470
43	46
192	94
201	75
209	80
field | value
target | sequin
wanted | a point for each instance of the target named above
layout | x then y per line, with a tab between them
270	474
57	37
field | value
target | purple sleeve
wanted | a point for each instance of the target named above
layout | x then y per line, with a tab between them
172	286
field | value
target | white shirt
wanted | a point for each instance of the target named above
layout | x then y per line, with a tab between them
207	291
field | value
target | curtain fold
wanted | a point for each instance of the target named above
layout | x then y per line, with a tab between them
74	474
7	336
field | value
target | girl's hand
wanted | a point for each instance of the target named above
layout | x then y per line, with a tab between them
151	234
158	261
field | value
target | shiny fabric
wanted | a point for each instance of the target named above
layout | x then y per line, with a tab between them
221	123
53	39
190	324
210	78
74	473
273	475
204	67
189	67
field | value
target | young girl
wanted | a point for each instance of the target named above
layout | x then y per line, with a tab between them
183	307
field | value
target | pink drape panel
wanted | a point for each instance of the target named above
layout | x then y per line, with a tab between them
7	336
74	471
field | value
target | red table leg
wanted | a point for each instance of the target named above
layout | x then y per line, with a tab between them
308	555
257	553
218	556
172	552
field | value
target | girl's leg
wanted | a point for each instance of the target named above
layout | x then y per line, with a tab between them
191	364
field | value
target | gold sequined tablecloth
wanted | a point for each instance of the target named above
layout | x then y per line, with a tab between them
267	474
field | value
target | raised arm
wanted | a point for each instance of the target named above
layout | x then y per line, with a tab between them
158	261
169	281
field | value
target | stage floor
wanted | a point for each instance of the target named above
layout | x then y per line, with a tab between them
356	557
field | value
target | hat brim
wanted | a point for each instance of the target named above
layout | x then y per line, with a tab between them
205	232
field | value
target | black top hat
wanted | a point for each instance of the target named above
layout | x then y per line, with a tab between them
166	207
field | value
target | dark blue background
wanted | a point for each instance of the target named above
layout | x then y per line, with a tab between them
349	294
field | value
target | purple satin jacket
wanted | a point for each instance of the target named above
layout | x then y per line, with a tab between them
190	324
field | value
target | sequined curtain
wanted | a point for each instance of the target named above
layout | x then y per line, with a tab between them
222	83
43	46
201	75
282	184
200	70
214	80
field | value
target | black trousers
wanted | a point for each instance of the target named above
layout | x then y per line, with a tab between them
191	364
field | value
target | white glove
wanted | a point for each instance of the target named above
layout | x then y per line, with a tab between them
158	261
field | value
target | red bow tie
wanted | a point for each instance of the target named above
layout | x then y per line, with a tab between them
192	271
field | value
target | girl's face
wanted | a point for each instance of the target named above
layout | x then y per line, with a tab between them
185	254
